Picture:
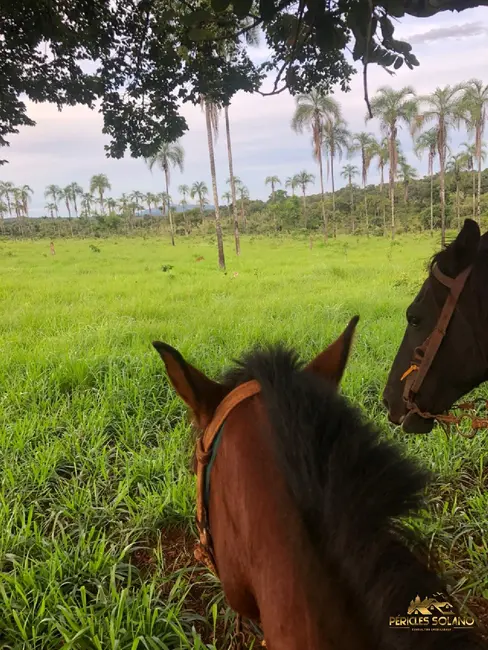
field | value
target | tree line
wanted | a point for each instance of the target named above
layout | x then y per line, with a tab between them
430	120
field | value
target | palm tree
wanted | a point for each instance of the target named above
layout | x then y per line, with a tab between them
365	143
3	212
227	197
184	190
86	203
427	141
455	165
474	105
444	109
243	195
469	155
6	190
17	203
408	174
304	179
349	172
51	207
272	180
149	199
200	189
111	205
336	141
100	183
67	196
137	199
170	154
75	191
232	179
291	182
25	193
392	107
54	192
468	161
211	110
313	111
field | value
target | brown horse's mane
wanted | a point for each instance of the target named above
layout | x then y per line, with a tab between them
351	487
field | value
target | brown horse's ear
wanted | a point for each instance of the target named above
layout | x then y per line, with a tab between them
199	392
330	363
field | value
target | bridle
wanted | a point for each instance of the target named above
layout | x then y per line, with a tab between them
206	448
425	354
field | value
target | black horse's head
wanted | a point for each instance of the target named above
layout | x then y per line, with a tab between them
461	362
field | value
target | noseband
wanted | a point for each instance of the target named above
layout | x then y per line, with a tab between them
206	449
425	354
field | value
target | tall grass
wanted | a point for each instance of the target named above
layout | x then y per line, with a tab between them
94	445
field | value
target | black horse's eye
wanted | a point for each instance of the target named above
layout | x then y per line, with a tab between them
413	320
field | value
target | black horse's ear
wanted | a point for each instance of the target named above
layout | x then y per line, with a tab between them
200	393
331	363
462	251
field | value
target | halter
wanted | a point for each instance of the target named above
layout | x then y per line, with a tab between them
425	354
206	450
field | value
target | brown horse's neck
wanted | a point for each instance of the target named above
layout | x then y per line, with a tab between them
266	563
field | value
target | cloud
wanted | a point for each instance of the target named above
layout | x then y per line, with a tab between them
465	30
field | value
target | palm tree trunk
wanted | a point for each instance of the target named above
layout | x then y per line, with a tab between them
324	214
391	175
304	207
474	192
333	189
243	215
442	192
431	203
218	227
232	182
366	210
9	205
458	211
170	214
68	208
75	205
102	207
478	201
351	201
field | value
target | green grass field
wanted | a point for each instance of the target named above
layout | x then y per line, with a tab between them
95	493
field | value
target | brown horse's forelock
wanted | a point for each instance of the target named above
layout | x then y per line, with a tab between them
350	487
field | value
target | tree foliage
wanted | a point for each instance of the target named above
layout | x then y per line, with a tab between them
142	59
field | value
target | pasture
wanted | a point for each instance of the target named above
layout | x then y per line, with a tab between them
96	498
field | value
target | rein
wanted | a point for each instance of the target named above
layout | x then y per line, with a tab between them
425	354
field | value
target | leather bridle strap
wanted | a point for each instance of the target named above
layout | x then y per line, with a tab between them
204	551
425	354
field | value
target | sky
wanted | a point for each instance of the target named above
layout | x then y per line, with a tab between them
68	146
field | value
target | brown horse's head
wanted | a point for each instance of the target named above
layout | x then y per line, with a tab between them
302	504
461	362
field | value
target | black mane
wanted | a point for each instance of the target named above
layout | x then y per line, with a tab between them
350	487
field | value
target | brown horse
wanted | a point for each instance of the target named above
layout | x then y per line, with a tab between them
458	283
303	504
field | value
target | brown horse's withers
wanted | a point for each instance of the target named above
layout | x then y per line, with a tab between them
303	504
